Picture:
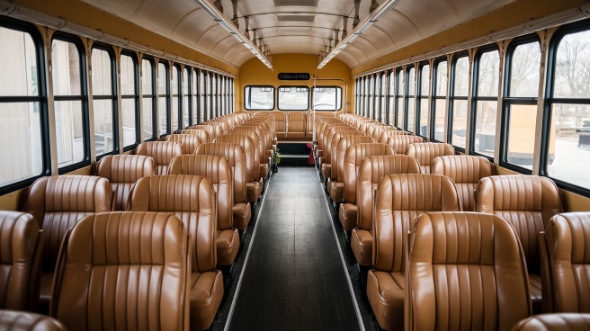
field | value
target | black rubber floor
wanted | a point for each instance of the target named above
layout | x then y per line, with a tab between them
294	278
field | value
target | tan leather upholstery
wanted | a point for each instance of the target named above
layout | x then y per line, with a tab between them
255	143
390	131
200	133
567	242
555	322
188	142
230	151
218	171
123	171
123	271
466	271
360	209
399	200
192	200
20	254
11	320
210	129
401	143
351	151
426	152
280	123
466	171
297	122
162	151
57	203
326	159
527	202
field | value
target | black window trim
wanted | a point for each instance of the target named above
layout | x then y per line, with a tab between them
278	90
274	101
135	96
336	101
452	98
153	96
434	85
421	97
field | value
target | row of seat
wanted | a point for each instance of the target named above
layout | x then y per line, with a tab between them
293	125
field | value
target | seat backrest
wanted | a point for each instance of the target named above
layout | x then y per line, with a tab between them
401	143
188	142
348	165
11	320
200	133
218	171
554	322
465	272
340	144
123	171
243	131
426	152
370	172
192	200
333	137
389	131
399	200
210	129
162	151
527	202
124	271
297	122
58	202
280	123
567	243
20	254
466	171
239	156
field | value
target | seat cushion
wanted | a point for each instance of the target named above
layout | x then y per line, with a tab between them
205	297
254	190
361	242
336	190
386	293
347	214
536	293
326	170
228	244
264	170
242	215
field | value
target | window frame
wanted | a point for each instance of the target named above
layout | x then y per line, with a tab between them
41	98
278	91
409	98
421	97
166	97
507	101
176	68
452	98
312	90
433	109
398	99
152	95
135	96
274	97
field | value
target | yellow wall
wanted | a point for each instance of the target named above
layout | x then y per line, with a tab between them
254	72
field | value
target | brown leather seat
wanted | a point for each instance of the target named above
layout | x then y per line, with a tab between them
200	133
401	143
162	151
466	271
360	210
399	200
340	147
258	146
555	322
210	129
296	125
123	271
57	203
218	171
466	171
192	200
389	131
11	320
254	184
123	171
20	245
280	123
426	152
188	142
332	139
527	202
567	238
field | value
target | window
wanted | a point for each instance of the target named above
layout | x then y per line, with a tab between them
232	96
327	98
175	93
71	103
163	98
371	99
366	83
22	108
357	96
440	100
391	99
104	100
399	95
195	97
410	99
567	137
186	105
293	98
458	100
147	86
383	99
523	63
424	90
129	99
259	98
485	100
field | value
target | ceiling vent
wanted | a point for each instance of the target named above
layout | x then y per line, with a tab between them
311	3
296	18
296	30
